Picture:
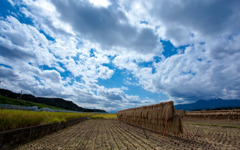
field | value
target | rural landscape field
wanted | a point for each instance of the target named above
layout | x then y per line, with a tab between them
157	126
120	74
112	134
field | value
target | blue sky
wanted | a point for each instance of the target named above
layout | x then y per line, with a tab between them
115	55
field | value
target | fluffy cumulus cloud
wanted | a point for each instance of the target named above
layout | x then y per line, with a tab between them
118	54
108	26
208	67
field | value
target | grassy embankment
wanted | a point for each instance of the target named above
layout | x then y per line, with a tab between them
12	119
11	101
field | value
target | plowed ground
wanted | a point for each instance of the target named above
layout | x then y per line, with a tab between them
111	134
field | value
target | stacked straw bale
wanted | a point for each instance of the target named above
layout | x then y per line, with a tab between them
153	117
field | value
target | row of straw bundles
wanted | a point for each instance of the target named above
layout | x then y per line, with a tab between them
233	115
153	117
180	112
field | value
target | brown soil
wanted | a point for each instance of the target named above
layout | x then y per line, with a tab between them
111	134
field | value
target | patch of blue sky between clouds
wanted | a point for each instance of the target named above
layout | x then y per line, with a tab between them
64	74
80	43
157	59
79	79
188	72
6	9
116	81
47	36
124	78
150	64
147	65
6	66
46	67
76	58
143	94
169	49
58	57
92	53
38	79
144	22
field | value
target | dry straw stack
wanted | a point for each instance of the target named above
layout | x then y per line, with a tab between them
153	117
215	114
181	113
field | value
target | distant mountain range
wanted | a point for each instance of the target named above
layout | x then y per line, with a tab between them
56	102
210	104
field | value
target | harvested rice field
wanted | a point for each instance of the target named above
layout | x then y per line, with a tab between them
111	134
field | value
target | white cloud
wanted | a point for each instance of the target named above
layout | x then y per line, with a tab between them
53	75
32	50
21	41
108	27
105	72
195	75
205	70
100	3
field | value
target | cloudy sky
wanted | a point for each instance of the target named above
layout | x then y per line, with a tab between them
119	54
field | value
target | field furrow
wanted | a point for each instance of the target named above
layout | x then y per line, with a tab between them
113	135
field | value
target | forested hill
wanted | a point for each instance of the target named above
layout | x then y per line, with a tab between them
57	102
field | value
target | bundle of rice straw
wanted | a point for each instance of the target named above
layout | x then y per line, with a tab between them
153	117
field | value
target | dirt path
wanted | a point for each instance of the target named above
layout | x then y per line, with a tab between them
110	134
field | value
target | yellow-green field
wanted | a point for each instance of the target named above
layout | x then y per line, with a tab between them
103	116
12	119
